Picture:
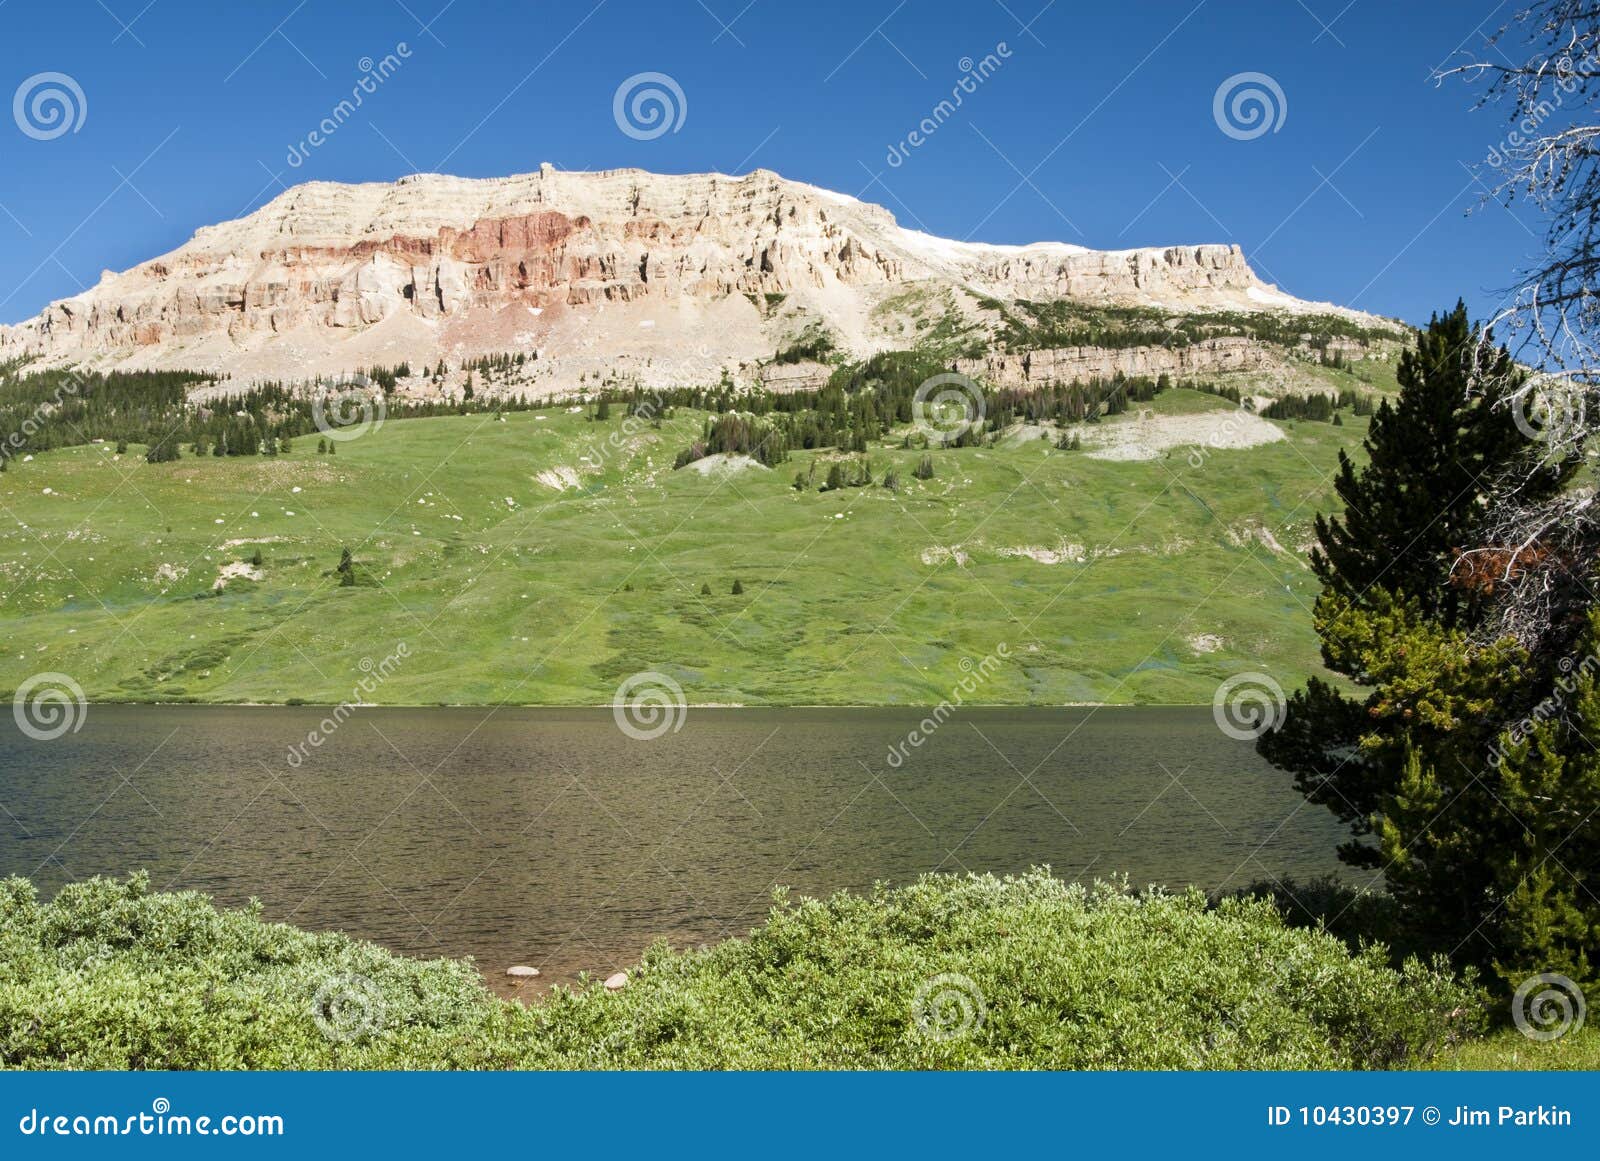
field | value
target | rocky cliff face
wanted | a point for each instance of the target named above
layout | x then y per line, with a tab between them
617	271
1081	364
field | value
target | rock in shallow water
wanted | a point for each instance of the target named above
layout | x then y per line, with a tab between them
522	972
615	983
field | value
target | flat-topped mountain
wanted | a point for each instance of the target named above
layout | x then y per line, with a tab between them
662	278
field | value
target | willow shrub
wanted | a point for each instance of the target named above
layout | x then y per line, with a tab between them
974	972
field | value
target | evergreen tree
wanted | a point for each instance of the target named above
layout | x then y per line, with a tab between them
705	588
738	587
162	451
1432	456
1548	873
1407	767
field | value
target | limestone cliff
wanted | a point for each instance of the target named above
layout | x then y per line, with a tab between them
656	276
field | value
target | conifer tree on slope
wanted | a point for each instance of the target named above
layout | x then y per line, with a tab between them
1392	619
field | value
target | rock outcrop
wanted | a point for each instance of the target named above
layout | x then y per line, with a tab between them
620	271
1081	364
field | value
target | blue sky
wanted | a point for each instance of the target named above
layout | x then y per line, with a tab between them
1097	128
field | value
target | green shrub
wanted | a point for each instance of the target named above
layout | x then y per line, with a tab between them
974	972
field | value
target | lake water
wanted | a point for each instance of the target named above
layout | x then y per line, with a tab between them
552	838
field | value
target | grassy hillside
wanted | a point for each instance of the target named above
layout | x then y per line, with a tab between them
1147	581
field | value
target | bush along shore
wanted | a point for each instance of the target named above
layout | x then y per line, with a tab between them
949	972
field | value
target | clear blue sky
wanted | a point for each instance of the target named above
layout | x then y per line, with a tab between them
1097	129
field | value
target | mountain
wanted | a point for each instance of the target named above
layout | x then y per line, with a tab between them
654	277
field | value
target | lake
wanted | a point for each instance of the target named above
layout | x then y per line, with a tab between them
550	837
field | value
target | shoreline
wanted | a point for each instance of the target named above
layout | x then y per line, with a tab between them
686	706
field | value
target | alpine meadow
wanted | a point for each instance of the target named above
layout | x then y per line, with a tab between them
604	543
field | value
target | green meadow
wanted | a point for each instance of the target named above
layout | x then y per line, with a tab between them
544	557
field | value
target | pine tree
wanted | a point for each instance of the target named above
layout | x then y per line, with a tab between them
738	587
256	559
1431	457
1405	766
705	588
163	451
